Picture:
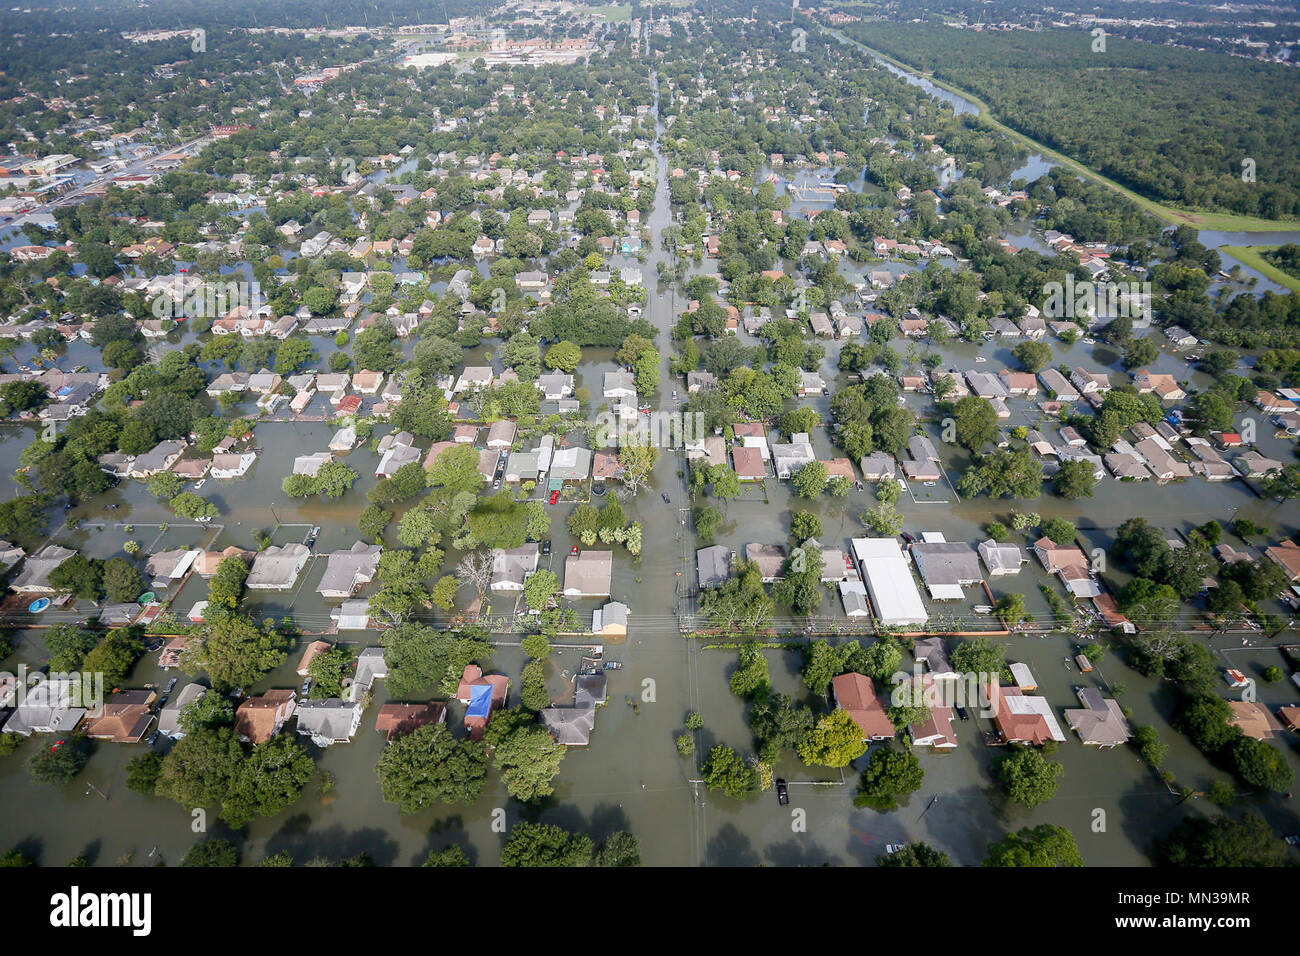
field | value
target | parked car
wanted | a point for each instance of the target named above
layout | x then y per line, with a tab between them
782	792
894	847
1293	839
573	550
546	546
962	712
555	496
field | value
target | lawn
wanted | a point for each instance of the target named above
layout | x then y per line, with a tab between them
1253	256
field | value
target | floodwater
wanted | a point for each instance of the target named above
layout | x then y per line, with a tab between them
631	777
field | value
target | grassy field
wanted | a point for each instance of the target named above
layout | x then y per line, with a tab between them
1253	256
1221	222
614	12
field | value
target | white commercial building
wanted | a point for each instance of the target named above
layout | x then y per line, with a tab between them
889	581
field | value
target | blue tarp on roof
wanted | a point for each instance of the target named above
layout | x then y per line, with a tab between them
480	701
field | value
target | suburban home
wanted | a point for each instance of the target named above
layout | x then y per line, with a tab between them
713	565
160	458
1021	718
770	559
169	716
312	651
856	694
936	730
501	434
311	464
588	573
555	385
511	567
1165	387
166	567
877	466
329	721
232	464
1253	719
277	568
51	706
931	652
1100	722
34	576
947	567
346	571
1287	555
1001	559
748	464
619	385
260	718
482	694
610	620
124	719
700	381
571	726
1070	564
371	667
397	719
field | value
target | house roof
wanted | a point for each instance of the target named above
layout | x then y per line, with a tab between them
1253	719
855	693
1100	722
346	570
588	573
258	718
397	719
571	726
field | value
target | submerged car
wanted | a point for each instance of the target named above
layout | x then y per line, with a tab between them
782	792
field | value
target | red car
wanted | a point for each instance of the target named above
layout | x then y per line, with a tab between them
555	496
573	550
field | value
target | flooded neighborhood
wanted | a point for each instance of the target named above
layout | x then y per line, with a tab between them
580	435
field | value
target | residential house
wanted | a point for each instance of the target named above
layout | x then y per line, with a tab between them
277	568
34	576
124	719
260	718
856	694
347	571
395	720
329	720
511	567
588	574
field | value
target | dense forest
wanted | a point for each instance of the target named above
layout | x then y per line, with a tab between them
1171	124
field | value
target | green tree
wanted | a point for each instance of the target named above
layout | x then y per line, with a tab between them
543	844
835	741
1027	777
540	587
212	853
529	759
889	774
429	766
726	770
1041	846
1074	480
236	652
914	854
